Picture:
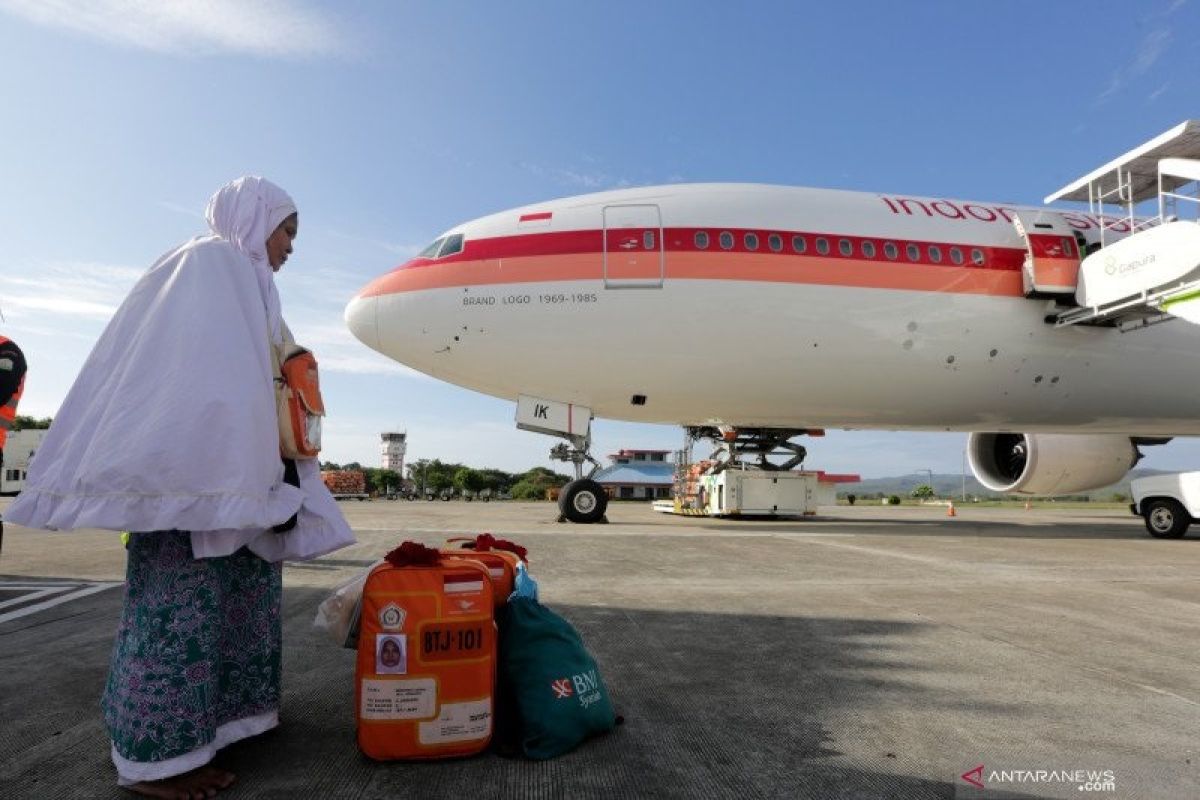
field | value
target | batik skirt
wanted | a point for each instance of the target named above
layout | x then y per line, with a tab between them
196	662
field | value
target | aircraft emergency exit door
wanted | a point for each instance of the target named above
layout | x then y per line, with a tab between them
633	249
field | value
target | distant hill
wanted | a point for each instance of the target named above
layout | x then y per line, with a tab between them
953	486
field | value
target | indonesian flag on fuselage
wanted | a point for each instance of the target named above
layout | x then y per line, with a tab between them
535	219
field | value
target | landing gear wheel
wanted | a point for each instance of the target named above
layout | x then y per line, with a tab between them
583	501
1166	518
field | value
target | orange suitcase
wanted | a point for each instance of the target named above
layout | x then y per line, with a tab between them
495	555
426	670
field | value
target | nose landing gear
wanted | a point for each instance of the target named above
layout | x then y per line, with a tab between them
582	500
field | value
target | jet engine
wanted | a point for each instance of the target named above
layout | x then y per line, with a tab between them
1049	463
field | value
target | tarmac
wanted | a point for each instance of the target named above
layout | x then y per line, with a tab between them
867	652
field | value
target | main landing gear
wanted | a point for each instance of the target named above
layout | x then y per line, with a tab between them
750	447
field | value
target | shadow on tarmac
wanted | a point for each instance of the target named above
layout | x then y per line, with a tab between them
962	525
715	706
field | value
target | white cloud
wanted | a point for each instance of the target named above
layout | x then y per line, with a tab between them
594	180
395	248
1149	50
271	28
66	289
177	208
61	305
1152	46
337	350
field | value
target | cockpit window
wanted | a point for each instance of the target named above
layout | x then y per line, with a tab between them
454	244
445	246
432	250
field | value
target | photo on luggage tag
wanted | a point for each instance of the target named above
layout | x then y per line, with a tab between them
391	654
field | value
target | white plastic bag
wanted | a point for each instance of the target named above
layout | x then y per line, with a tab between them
337	614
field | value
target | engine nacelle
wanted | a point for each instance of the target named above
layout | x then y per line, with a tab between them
1049	463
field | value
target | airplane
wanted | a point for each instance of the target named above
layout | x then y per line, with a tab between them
752	314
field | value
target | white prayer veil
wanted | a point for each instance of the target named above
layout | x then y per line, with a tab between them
171	423
245	212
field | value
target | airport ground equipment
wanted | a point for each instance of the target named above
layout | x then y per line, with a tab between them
1168	503
751	472
425	670
583	499
345	484
752	492
1146	269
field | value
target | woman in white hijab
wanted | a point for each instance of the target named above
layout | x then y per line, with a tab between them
170	431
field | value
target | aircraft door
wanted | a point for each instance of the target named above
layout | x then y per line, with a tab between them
634	257
1051	253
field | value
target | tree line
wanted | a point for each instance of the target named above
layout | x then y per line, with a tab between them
31	423
434	475
423	475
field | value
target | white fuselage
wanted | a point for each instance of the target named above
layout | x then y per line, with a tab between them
601	299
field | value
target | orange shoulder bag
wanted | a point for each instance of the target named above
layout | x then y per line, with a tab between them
297	401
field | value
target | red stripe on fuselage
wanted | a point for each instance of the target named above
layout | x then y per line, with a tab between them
578	255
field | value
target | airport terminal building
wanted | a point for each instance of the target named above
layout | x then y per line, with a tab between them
18	451
638	475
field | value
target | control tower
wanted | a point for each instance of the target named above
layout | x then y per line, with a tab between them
393	449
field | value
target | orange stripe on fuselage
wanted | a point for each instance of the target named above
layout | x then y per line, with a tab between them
718	266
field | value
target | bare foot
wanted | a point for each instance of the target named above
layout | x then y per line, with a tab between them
198	784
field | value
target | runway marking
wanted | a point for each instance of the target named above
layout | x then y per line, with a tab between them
608	531
36	591
879	551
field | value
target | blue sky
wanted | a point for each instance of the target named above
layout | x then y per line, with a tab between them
392	121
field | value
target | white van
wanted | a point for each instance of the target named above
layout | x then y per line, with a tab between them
1168	503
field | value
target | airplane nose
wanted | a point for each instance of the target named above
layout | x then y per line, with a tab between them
361	319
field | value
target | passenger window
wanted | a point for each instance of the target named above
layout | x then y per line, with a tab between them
956	255
977	256
913	252
844	247
751	240
648	240
432	250
868	249
726	240
799	244
1068	246
775	242
935	254
701	240
891	250
822	246
454	244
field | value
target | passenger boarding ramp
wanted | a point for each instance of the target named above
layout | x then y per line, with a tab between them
1147	268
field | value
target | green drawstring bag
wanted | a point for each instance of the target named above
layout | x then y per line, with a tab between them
552	686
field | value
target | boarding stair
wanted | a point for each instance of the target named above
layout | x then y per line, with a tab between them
1146	268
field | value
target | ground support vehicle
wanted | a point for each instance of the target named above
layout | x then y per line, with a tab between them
1168	503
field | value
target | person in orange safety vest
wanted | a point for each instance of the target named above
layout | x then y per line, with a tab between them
12	383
